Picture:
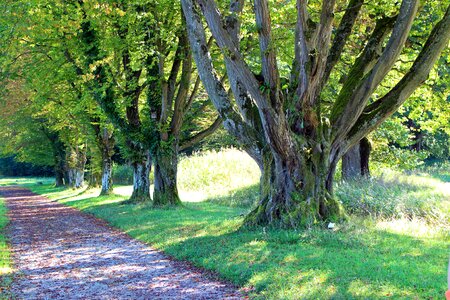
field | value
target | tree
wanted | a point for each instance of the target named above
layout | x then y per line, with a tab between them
297	136
136	62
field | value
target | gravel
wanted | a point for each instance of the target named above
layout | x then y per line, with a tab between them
61	253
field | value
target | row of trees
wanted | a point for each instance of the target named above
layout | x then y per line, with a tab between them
299	85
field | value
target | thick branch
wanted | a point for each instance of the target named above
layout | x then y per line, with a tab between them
267	50
175	69
300	76
233	122
201	135
340	38
380	110
350	103
185	82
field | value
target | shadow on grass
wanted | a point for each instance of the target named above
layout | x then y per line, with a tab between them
286	263
357	262
442	177
245	197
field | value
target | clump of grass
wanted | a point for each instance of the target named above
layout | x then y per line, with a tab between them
397	195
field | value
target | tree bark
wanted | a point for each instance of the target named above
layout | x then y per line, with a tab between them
351	163
364	150
141	180
295	195
59	176
355	163
60	166
107	183
76	162
106	144
165	189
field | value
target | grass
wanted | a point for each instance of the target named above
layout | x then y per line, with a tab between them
394	255
5	259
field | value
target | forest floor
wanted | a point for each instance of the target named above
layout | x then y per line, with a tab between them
61	253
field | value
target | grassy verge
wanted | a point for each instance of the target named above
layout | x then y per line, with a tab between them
379	253
5	259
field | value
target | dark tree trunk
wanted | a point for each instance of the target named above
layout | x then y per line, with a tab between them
364	150
60	168
166	191
351	163
141	180
59	177
59	154
355	163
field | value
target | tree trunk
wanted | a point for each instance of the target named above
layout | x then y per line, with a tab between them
106	142
76	162
93	178
166	191
59	152
295	194
107	184
351	163
364	151
355	163
59	177
76	177
60	170
141	180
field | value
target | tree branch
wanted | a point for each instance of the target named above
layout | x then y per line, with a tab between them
350	103
377	112
340	38
233	122
201	135
267	50
185	82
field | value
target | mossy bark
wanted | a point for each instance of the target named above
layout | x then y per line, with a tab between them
141	181
295	195
107	183
166	191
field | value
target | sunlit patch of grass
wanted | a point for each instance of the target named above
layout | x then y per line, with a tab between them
4	181
5	256
221	177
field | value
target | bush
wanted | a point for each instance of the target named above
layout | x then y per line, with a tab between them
122	174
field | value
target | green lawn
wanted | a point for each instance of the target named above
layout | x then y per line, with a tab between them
5	259
402	253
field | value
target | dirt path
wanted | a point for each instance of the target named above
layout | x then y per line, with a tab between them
61	253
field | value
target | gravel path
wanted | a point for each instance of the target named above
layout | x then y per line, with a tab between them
61	253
